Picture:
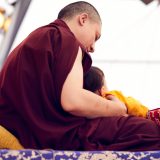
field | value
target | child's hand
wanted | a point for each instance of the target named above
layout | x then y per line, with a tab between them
120	106
111	97
126	115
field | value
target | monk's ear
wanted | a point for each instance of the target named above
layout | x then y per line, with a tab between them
83	17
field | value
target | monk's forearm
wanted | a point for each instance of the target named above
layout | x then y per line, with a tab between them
91	105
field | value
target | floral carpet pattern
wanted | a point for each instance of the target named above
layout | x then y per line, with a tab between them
29	154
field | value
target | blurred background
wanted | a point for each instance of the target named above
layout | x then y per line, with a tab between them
128	51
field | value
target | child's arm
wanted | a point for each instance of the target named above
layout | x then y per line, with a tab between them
112	97
134	107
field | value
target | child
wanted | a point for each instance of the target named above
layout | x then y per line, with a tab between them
94	81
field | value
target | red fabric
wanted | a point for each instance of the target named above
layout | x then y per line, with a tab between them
154	115
30	87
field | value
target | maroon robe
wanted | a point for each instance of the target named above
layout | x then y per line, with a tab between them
31	82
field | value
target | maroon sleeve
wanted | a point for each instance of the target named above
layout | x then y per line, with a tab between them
65	59
67	49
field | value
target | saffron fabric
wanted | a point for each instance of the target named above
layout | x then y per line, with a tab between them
8	141
134	107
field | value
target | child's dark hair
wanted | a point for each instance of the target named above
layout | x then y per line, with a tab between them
93	80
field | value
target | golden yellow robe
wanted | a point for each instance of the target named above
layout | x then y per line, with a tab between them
134	107
8	140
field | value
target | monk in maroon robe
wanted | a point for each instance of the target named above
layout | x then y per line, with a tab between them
42	100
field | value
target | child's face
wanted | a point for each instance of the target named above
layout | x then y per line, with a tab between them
104	88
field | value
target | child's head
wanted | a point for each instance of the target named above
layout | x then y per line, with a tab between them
94	81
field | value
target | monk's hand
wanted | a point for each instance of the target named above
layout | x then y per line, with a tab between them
120	106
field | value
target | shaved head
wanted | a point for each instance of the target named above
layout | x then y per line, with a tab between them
79	7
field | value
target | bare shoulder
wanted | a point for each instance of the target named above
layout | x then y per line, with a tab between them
73	84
